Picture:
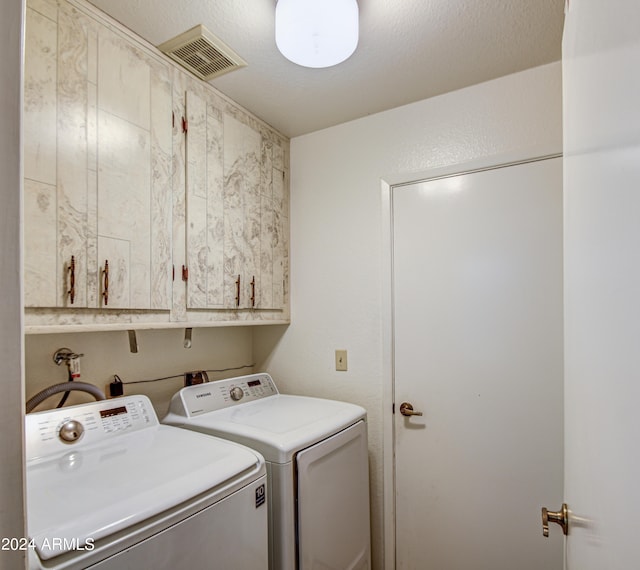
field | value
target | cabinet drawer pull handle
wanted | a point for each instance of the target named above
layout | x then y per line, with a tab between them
253	291
72	279
105	289
238	291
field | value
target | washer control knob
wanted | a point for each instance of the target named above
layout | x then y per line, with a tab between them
236	393
71	431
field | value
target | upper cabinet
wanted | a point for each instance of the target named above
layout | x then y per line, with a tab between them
97	165
235	211
150	198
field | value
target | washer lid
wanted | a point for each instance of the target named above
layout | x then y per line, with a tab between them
277	426
98	490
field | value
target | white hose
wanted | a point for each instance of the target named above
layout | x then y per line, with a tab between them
64	387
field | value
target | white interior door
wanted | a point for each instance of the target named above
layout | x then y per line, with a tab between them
601	84
477	292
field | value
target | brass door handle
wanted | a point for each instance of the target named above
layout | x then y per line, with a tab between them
406	409
560	517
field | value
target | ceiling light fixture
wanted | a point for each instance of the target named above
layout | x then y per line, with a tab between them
317	33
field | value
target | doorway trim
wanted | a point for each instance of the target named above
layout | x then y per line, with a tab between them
388	185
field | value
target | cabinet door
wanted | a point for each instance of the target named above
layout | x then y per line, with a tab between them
204	204
133	149
274	224
97	165
242	153
55	158
234	212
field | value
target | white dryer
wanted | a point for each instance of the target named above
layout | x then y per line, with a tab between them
110	488
317	465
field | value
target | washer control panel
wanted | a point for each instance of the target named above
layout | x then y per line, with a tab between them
202	398
46	432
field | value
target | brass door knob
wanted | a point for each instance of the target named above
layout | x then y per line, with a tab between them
406	409
560	517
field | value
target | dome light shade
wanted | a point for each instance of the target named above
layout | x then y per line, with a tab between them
317	33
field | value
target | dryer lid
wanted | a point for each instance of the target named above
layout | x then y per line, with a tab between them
98	490
277	426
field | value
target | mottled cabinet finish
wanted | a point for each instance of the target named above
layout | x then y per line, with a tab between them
235	210
131	160
97	151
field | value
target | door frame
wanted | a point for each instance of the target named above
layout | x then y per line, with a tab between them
388	184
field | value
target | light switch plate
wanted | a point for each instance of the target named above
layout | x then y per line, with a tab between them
341	360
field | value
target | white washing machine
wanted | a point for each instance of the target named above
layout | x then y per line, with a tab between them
109	488
317	466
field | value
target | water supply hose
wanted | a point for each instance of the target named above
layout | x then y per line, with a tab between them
64	387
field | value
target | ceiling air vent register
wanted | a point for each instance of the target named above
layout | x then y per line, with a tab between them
202	53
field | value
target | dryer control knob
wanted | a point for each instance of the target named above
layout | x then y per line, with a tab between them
71	431
236	393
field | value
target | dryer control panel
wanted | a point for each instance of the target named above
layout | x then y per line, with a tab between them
202	398
66	428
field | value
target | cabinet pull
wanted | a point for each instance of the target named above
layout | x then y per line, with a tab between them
253	290
72	279
105	289
238	291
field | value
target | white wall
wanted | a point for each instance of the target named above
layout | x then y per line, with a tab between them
11	381
337	227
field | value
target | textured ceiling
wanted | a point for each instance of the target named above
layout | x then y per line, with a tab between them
408	50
